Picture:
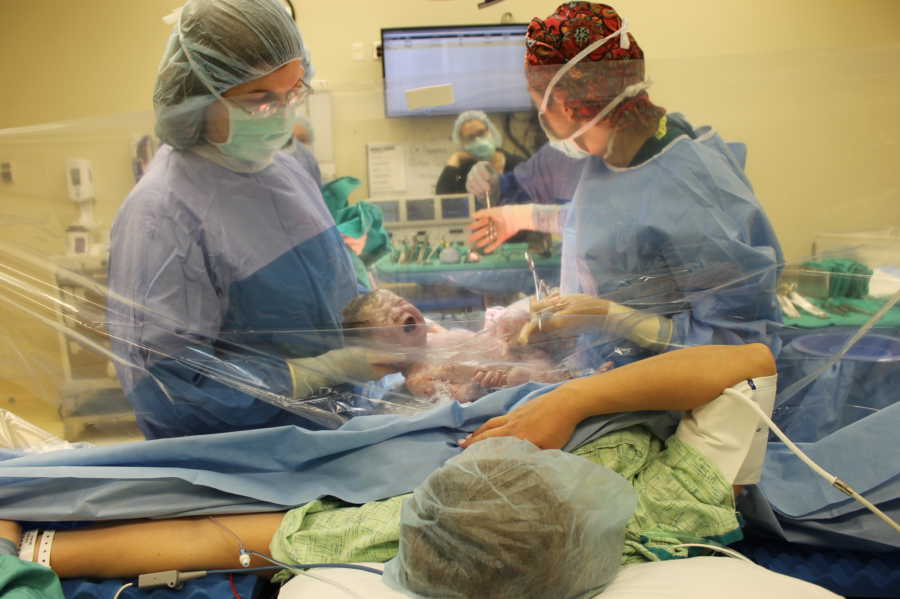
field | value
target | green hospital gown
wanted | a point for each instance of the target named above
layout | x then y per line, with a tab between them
25	580
682	498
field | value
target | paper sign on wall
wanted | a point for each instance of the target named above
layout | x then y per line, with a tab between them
387	169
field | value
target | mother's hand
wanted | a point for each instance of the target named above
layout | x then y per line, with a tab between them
545	421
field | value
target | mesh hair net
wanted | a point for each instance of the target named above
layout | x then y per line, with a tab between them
216	45
476	115
505	519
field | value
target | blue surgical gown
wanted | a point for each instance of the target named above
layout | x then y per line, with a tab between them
216	277
680	234
548	177
307	160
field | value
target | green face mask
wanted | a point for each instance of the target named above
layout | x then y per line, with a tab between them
255	138
482	148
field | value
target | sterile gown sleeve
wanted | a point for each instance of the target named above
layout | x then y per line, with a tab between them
547	177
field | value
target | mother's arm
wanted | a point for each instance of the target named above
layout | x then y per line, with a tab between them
679	380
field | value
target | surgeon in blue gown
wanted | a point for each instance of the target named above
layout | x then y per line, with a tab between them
227	275
664	244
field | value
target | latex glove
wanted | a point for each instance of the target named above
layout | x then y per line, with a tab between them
492	227
344	365
545	421
355	244
483	180
564	316
571	315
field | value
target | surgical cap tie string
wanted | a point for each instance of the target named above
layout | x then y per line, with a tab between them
629	92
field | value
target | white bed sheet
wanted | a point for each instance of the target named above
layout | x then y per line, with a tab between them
694	578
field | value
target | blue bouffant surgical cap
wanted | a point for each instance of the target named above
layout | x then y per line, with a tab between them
506	519
476	115
217	45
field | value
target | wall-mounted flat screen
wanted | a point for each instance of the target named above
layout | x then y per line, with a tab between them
484	65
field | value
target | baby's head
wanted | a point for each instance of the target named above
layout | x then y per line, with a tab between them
388	318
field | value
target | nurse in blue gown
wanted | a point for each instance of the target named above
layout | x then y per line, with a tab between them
227	275
664	244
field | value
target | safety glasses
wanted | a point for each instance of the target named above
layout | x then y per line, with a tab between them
261	104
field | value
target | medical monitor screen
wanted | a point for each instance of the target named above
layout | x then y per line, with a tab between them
390	210
457	207
417	210
476	66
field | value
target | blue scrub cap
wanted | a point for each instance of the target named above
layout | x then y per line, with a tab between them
216	45
476	115
506	519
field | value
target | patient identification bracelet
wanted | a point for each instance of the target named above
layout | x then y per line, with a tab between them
43	556
26	549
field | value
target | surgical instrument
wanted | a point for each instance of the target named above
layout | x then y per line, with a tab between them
541	288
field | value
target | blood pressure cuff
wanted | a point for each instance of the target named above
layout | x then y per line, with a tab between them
729	433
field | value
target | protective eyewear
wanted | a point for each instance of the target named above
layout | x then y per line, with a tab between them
268	103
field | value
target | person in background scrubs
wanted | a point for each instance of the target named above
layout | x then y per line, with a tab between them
227	274
478	139
663	219
298	146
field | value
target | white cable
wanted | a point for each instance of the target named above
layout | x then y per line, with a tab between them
243	555
725	550
333	583
832	479
122	588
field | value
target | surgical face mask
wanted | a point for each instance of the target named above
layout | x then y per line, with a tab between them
482	148
567	145
256	138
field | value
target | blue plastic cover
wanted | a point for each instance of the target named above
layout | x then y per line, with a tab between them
371	457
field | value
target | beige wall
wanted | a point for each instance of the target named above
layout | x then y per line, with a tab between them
811	86
805	83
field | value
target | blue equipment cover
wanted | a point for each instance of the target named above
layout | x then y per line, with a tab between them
848	573
847	421
369	458
214	586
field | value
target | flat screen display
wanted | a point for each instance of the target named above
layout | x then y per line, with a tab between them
483	63
417	210
455	207
391	211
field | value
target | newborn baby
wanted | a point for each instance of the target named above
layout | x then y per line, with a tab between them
458	363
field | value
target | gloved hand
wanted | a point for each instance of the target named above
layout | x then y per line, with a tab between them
355	244
569	315
344	365
563	316
492	227
483	180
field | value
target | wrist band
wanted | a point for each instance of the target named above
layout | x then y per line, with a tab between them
43	554
26	548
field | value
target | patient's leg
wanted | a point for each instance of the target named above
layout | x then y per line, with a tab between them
125	550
